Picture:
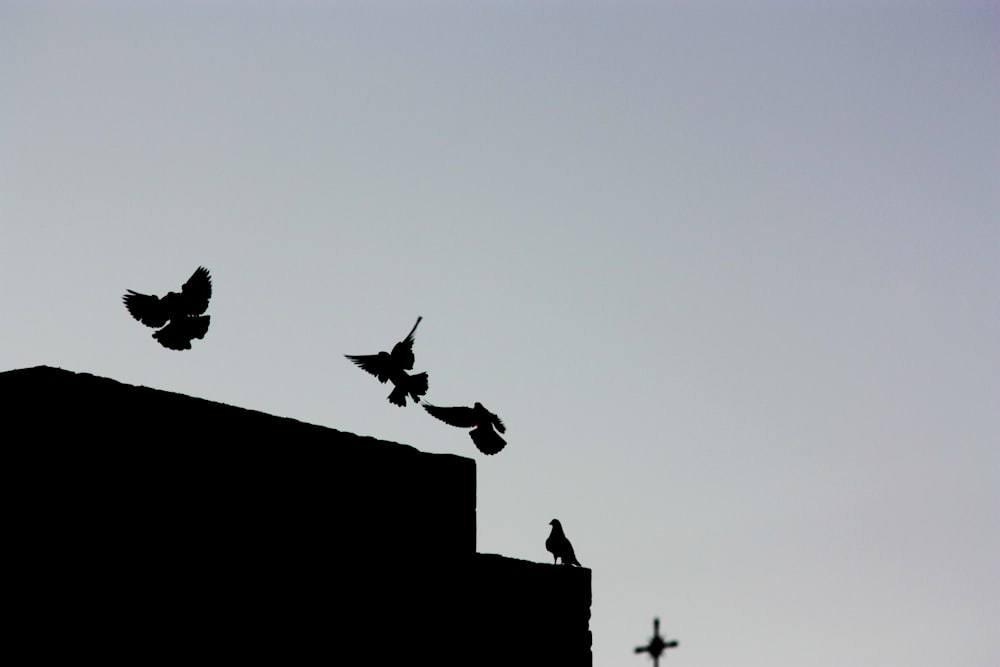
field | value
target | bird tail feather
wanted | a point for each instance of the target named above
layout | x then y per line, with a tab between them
418	386
398	396
414	385
486	439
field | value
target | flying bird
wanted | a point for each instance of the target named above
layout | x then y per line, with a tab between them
392	366
181	312
558	545
479	419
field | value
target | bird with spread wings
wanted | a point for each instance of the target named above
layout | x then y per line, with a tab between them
392	367
181	312
479	419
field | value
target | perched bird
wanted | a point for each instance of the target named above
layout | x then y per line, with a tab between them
393	366
182	310
479	419
558	545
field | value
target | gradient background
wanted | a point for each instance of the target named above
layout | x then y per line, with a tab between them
729	271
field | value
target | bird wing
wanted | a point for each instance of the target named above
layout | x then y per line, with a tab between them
497	424
376	364
402	352
458	416
196	292
146	308
568	555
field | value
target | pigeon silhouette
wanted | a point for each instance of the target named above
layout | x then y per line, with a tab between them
393	366
181	312
479	419
558	545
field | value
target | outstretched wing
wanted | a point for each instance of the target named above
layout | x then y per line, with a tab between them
497	424
178	334
459	416
146	308
379	365
402	352
196	292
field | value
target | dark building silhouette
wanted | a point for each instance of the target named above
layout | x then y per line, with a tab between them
148	524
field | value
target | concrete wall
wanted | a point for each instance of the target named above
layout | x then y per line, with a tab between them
536	613
147	523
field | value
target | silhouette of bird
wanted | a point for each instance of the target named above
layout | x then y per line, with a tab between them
558	545
479	419
392	366
182	310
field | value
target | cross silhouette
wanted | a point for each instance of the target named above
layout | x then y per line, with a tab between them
656	644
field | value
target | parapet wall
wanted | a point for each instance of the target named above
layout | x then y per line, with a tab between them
148	524
538	613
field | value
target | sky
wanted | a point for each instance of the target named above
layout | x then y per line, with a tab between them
727	270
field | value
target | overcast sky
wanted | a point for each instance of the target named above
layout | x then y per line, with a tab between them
727	270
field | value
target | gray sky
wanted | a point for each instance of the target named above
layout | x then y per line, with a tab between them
727	270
